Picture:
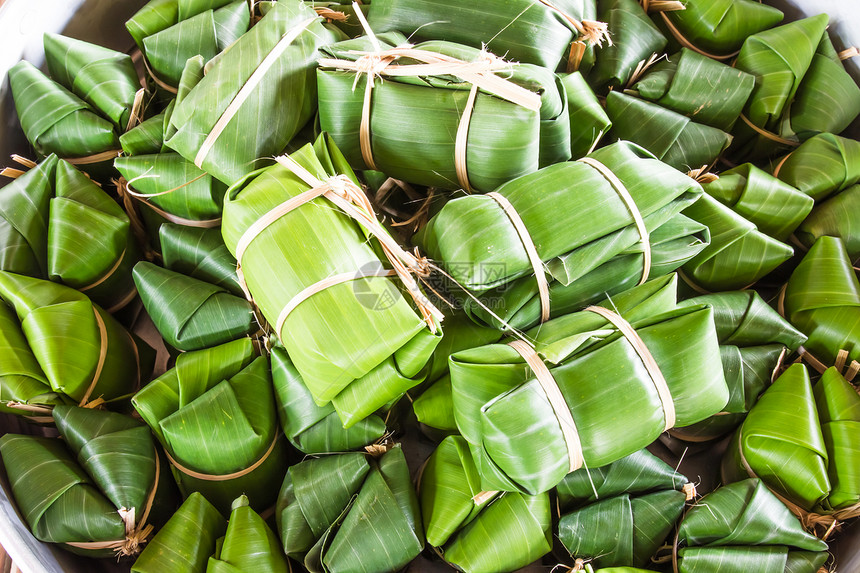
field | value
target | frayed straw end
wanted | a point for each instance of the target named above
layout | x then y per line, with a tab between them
689	490
849	53
595	33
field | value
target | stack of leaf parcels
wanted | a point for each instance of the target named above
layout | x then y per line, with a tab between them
399	285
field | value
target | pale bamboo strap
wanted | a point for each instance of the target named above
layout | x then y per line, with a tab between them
595	33
462	138
13	173
160	193
643	67
105	276
350	198
248	87
103	344
689	45
767	134
631	206
531	252
556	401
780	164
331	15
158	81
647	359
223	477
651	6
574	57
136	109
128	195
136	533
95	158
324	284
121	303
702	176
849	53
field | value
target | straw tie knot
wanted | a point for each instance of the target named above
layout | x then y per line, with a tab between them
596	33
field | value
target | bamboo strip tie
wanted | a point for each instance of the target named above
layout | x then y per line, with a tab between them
248	87
622	191
651	6
689	45
769	135
129	197
531	252
223	477
103	344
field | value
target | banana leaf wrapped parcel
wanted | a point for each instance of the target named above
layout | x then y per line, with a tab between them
199	253
698	87
822	299
595	388
186	541
191	314
634	39
754	339
187	33
779	58
538	33
744	527
345	511
314	429
248	545
82	350
265	80
800	443
672	137
717	28
55	120
564	220
482	120
351	333
834	217
215	415
588	120
104	78
474	530
738	256
823	165
49	218
97	492
774	207
638	498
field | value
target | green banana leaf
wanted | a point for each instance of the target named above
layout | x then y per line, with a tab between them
524	30
205	34
781	443
719	26
83	351
673	138
344	512
175	186
588	120
822	299
504	139
214	413
199	253
774	207
506	416
310	428
828	98
49	219
744	527
640	472
192	314
834	217
698	87
248	546
738	256
478	531
672	244
275	108
634	39
186	541
753	338
57	121
103	78
779	58
838	406
575	217
145	138
158	15
106	466
638	496
822	166
358	344
21	378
